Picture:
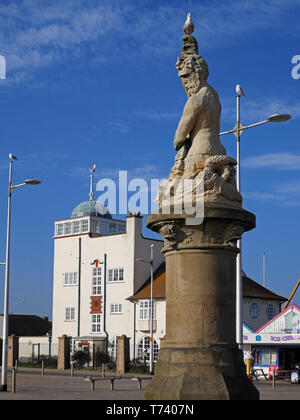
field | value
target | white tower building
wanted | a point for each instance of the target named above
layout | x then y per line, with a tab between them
95	271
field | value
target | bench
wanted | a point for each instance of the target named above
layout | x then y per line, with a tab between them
257	373
113	379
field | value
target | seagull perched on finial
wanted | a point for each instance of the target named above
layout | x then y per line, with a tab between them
240	91
189	25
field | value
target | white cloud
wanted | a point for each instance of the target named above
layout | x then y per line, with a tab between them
279	161
157	116
146	172
253	111
285	194
38	33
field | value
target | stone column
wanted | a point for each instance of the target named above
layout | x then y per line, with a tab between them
123	355
199	358
13	350
63	361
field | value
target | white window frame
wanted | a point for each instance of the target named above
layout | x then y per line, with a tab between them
112	350
70	279
116	275
84	225
145	310
97	281
96	323
68	228
70	314
143	350
116	308
291	321
76	227
59	229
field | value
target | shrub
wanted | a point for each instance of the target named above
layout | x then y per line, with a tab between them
49	361
137	366
81	358
101	357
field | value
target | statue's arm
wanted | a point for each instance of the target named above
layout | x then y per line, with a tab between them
187	123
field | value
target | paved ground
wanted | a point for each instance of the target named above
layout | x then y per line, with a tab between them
54	385
31	385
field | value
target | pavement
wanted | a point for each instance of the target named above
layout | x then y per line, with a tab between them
59	385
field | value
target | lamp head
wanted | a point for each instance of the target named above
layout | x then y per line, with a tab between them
279	117
32	182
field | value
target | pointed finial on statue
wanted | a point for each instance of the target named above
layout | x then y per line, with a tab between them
189	25
92	171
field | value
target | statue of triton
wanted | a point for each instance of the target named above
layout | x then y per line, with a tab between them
200	154
199	358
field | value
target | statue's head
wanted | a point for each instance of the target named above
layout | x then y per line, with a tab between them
193	70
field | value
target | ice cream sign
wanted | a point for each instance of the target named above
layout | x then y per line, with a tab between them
267	338
285	338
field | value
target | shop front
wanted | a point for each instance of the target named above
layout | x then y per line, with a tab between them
274	346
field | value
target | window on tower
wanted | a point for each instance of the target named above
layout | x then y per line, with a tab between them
96	281
75	227
70	279
84	225
68	228
116	275
116	308
59	229
96	323
70	314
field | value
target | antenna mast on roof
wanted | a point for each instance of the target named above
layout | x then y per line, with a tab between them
264	269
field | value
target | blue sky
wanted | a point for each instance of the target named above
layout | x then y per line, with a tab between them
96	81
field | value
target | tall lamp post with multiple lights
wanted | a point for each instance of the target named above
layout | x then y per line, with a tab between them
238	131
11	187
151	306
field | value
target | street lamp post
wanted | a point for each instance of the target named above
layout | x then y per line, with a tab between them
11	187
238	131
151	305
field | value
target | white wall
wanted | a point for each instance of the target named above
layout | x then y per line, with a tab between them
122	250
26	347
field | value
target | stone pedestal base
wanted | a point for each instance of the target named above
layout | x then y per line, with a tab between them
214	373
199	358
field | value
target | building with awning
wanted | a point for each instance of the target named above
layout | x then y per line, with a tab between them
276	344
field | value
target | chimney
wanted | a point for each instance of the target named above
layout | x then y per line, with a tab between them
134	223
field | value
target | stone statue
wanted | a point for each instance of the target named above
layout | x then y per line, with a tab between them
199	358
197	137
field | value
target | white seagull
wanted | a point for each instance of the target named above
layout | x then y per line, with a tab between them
240	91
189	25
12	157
